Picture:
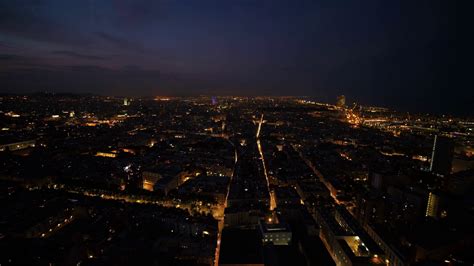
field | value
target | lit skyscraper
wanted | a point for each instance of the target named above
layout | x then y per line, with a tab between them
432	205
442	155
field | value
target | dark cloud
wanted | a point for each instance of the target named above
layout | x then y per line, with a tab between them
11	61
121	43
5	45
79	55
137	13
80	78
28	19
9	57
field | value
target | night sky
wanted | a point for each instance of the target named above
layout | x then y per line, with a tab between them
389	53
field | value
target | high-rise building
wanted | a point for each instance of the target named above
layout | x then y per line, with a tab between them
442	155
275	234
126	102
341	101
432	205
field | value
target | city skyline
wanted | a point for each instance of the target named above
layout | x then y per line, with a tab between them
391	54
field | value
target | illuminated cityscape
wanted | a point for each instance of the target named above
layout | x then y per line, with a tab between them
234	133
190	180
